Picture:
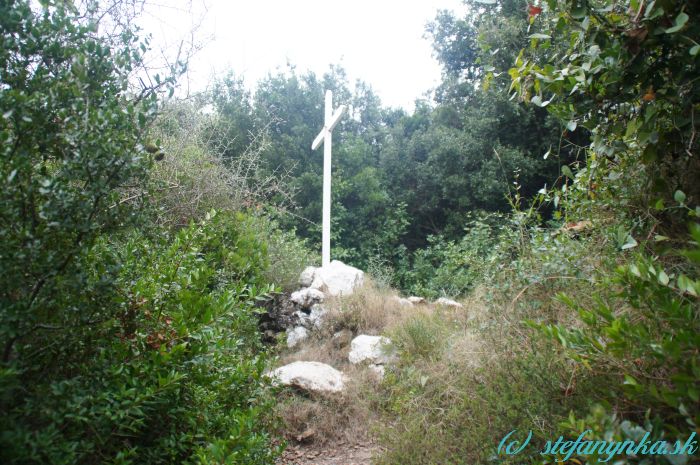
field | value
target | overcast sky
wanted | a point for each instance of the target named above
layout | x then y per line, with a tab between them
378	41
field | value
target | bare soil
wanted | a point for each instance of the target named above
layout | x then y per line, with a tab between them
340	453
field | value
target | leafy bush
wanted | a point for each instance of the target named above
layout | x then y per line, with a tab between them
70	139
648	338
287	255
625	72
169	367
447	268
629	80
120	345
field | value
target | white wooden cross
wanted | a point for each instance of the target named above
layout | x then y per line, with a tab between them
326	137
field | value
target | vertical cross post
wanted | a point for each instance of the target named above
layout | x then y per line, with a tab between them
326	137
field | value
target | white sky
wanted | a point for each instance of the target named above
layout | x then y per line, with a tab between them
378	41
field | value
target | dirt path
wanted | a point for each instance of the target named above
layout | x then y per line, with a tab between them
337	454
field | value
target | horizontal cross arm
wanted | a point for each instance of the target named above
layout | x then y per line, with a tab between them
336	117
319	139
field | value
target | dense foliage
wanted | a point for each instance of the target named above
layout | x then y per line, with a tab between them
553	181
124	341
398	178
605	299
629	78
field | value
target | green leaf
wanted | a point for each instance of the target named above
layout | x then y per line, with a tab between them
649	155
679	197
663	278
694	50
686	284
578	12
571	125
566	171
681	19
631	243
537	100
538	35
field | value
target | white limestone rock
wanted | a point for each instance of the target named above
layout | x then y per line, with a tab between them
337	278
304	319
310	376
296	336
318	283
373	349
306	278
307	297
403	302
313	319
445	302
317	315
416	300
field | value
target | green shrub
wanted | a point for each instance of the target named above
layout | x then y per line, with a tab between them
648	338
119	345
171	367
287	255
422	337
447	268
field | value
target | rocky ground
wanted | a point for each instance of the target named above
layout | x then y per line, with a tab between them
341	453
330	363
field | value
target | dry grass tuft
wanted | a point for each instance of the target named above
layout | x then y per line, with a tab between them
323	419
372	310
346	416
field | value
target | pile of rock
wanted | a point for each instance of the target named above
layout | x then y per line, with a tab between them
334	279
376	351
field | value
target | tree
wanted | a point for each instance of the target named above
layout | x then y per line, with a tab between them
629	79
72	136
627	72
123	342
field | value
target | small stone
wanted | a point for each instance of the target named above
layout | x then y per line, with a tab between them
307	276
316	316
296	336
378	370
306	435
416	300
307	297
445	302
374	349
403	302
304	319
